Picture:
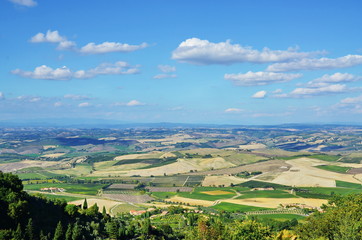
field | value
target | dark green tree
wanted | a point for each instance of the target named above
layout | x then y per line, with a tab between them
77	232
29	230
68	233
85	204
18	234
59	233
112	229
104	212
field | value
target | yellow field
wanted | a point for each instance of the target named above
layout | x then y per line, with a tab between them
53	155
252	146
108	204
304	174
222	180
275	202
217	192
46	147
183	166
204	203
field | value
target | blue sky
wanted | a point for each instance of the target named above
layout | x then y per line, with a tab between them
228	62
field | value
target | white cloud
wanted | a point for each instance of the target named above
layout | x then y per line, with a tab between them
26	3
66	45
106	47
167	68
350	100
131	103
260	78
134	103
76	97
233	110
161	76
316	91
84	104
58	104
2	96
54	37
203	52
35	99
260	94
277	91
45	72
316	64
50	36
64	73
334	78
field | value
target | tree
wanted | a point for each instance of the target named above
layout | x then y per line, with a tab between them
104	212
71	209
68	233
29	230
77	232
85	204
18	234
341	220
112	229
58	234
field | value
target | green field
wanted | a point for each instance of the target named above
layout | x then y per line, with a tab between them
266	194
41	175
348	185
87	189
326	192
163	195
124	208
334	168
62	197
260	184
280	217
231	207
203	196
325	157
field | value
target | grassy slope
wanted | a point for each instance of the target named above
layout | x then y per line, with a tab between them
231	207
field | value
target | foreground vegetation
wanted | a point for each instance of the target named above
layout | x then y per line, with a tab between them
35	217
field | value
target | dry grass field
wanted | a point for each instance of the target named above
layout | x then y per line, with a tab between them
190	201
181	166
266	166
53	155
222	180
252	146
275	202
304	174
12	167
108	204
217	192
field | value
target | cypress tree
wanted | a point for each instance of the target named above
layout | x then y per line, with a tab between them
18	234
68	233
77	232
85	204
104	212
58	234
42	236
29	230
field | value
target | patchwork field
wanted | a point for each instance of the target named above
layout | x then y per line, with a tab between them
190	201
303	173
275	202
222	180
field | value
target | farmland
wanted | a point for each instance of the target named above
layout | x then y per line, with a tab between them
241	170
